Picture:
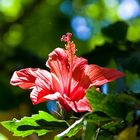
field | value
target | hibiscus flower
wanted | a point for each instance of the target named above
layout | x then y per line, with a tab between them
69	78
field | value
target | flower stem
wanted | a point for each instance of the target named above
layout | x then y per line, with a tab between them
97	134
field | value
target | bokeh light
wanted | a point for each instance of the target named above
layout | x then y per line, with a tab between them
14	36
129	9
133	33
11	8
66	7
105	88
82	27
111	3
52	106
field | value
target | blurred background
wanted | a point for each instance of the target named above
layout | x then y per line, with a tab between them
106	32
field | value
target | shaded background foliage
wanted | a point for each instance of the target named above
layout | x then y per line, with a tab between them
106	32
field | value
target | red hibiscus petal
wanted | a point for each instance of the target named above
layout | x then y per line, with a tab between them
99	75
80	82
79	65
58	64
43	79
44	85
64	104
56	84
77	106
77	94
24	78
39	95
83	105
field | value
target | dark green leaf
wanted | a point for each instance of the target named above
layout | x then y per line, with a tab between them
116	31
41	124
131	61
114	127
97	117
110	104
92	124
95	98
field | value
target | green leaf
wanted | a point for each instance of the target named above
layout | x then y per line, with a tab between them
114	126
41	124
116	31
71	131
92	123
89	129
109	104
97	117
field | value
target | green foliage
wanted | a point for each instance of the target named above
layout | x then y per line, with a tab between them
30	30
89	130
112	116
91	124
107	104
112	113
40	124
71	131
116	31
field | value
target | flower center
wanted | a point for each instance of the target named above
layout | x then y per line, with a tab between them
70	50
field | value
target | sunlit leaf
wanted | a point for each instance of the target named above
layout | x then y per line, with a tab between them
41	124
